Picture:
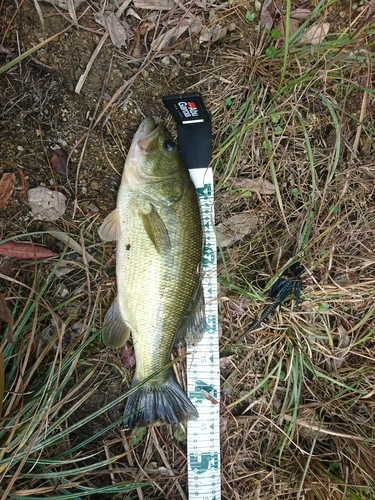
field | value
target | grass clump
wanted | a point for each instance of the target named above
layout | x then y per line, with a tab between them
48	380
302	119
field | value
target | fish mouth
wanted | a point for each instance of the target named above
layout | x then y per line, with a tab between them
147	135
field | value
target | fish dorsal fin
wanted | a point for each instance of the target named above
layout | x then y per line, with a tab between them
115	330
156	231
110	229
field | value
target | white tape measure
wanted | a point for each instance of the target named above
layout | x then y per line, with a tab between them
203	376
203	368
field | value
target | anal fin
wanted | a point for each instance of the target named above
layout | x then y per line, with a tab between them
115	330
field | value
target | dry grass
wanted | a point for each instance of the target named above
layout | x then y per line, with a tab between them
298	394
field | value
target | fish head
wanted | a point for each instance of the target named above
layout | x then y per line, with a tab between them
153	154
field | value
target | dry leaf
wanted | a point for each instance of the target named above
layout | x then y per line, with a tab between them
210	398
154	4
343	342
170	37
316	34
235	228
226	361
65	267
58	159
195	25
117	31
217	31
267	15
46	204
293	27
259	185
67	240
300	14
133	13
23	250
205	35
6	315
7	183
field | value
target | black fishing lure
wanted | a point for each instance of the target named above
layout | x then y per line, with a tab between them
288	282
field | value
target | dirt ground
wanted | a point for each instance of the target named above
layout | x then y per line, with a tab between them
40	110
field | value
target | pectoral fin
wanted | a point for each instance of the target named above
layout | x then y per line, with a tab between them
156	231
115	330
110	229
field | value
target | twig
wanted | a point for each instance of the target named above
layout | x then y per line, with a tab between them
83	77
364	103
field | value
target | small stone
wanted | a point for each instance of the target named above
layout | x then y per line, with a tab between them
257	5
94	186
166	60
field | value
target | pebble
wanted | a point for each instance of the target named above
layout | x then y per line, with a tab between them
166	60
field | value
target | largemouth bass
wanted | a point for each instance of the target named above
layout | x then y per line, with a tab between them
157	225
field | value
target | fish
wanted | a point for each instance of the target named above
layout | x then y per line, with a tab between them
158	230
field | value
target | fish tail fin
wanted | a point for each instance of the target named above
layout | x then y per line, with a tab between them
153	401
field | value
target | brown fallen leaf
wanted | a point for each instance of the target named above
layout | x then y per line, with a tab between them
58	159
154	4
343	349
171	36
6	315
217	31
210	398
7	183
118	31
267	15
293	27
23	250
259	185
67	240
300	14
316	34
235	228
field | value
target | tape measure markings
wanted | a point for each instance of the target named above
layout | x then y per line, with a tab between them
203	378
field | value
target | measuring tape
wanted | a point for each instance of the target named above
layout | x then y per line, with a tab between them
203	375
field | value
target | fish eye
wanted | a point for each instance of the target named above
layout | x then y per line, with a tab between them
169	145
